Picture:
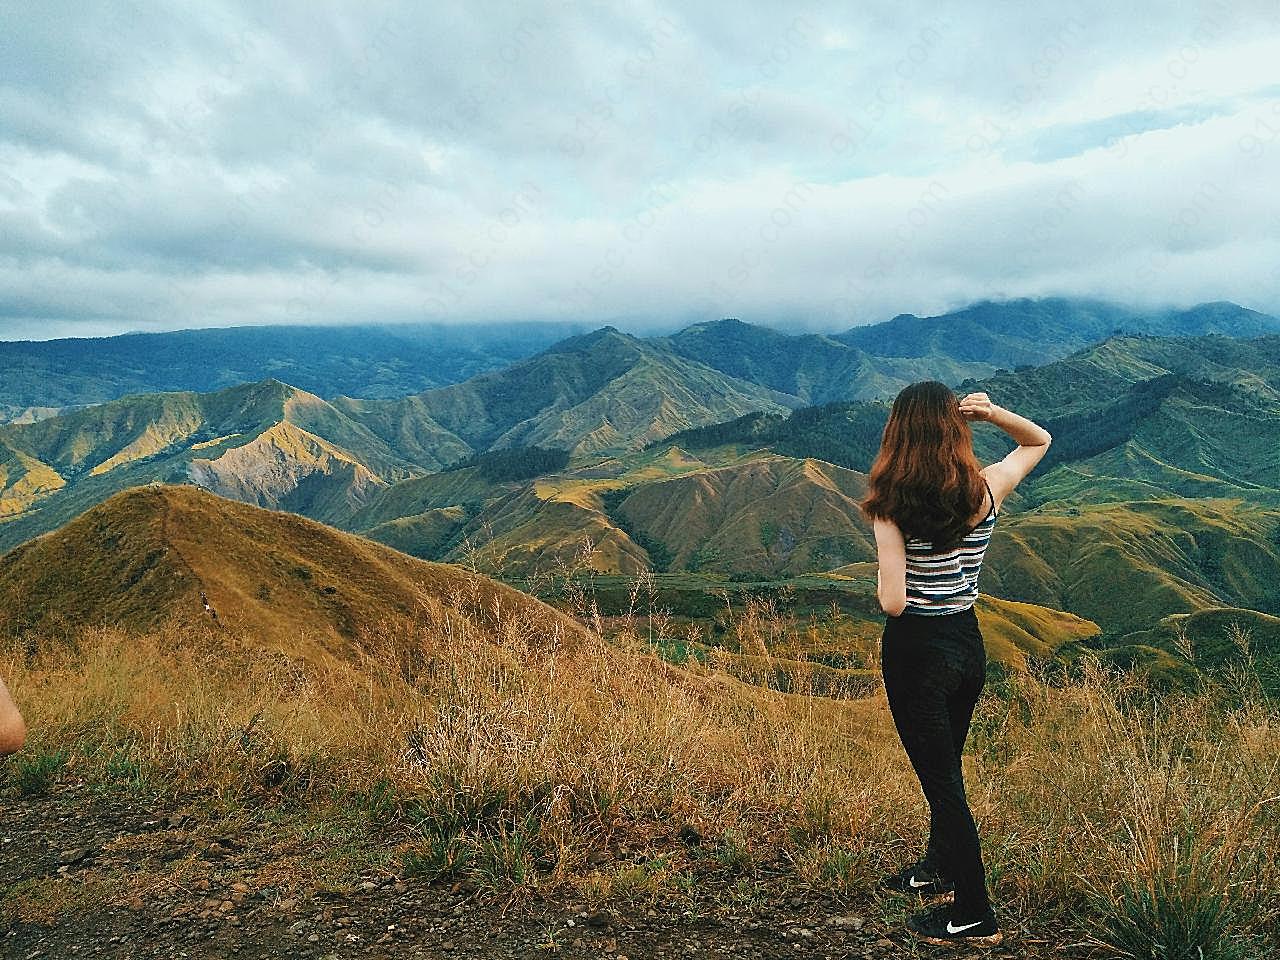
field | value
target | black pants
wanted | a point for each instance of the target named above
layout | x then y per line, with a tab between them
934	670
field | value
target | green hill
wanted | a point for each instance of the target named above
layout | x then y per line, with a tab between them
1126	565
1098	373
604	390
877	360
1217	640
265	443
1018	332
813	368
770	516
44	378
1132	418
146	556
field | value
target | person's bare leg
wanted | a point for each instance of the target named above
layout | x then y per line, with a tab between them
13	731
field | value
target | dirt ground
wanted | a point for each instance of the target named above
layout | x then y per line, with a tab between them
88	876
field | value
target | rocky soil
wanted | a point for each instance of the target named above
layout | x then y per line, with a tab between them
82	875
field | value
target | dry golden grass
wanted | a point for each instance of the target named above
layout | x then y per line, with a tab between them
490	751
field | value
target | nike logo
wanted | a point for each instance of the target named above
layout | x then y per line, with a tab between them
952	928
913	882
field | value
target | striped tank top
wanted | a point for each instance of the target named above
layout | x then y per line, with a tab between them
947	581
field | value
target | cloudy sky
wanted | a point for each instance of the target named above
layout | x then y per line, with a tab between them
209	163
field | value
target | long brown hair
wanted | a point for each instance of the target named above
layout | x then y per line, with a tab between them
926	478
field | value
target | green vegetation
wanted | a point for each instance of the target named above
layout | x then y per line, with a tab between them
1026	332
1222	642
33	772
474	748
604	390
516	463
1126	565
846	434
364	360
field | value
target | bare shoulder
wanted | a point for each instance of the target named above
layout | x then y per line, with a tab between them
1004	475
999	482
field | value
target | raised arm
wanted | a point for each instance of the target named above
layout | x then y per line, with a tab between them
1032	443
13	732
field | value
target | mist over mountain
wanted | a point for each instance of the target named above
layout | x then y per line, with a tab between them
366	360
395	361
1019	332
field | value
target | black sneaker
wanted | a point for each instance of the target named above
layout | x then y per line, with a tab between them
920	878
937	925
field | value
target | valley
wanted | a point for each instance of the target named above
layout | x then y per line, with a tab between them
694	457
599	624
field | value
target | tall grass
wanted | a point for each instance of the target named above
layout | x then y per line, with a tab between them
1146	823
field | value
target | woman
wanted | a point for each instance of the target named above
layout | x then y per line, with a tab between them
933	508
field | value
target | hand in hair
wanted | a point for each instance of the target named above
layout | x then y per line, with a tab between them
976	406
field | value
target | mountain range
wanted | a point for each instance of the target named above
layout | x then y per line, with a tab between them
159	557
1164	476
389	361
42	378
697	454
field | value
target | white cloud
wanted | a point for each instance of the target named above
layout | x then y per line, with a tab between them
234	163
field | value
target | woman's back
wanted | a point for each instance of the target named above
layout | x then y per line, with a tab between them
946	581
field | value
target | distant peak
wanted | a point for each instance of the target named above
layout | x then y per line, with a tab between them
1215	305
270	387
583	341
271	383
730	326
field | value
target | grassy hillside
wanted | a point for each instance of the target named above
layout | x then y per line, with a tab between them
1018	332
1227	642
532	529
1122	564
795	631
754	515
265	443
599	391
771	516
142	560
407	498
1191	417
492	763
1096	374
1126	565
